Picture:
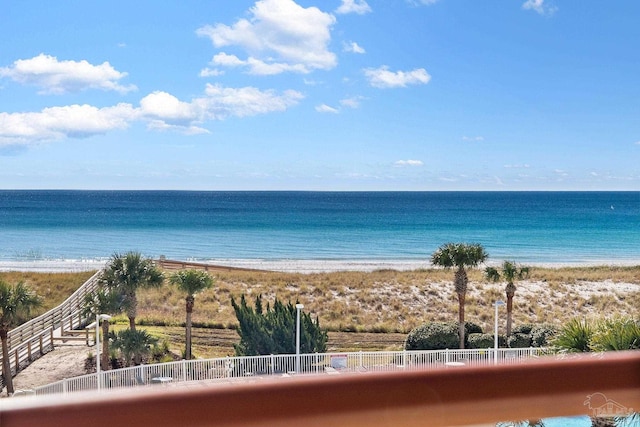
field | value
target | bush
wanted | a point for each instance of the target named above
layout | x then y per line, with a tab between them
480	340
542	334
433	336
273	330
472	328
519	340
525	328
616	334
574	337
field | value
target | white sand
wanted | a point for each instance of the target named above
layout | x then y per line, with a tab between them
65	361
285	265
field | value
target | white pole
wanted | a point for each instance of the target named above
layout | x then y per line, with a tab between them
98	348
298	308
495	334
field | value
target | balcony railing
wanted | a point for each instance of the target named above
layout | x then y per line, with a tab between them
472	395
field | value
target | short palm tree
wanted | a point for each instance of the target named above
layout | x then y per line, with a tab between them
509	271
16	302
127	273
191	282
103	301
460	256
134	345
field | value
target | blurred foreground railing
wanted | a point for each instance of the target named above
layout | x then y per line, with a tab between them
286	364
477	395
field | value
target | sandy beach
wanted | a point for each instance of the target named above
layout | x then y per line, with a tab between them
287	265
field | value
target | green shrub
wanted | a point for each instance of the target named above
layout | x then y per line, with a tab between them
272	330
471	328
519	340
433	336
480	340
525	328
541	335
616	334
574	337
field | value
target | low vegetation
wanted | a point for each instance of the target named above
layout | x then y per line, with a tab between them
382	306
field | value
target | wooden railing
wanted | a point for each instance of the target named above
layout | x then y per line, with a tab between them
168	264
543	388
34	338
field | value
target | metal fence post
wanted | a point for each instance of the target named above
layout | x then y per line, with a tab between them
184	370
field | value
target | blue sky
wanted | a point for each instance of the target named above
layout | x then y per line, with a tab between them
320	95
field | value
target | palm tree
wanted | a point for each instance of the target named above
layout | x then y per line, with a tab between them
191	282
510	271
16	302
134	345
461	256
127	273
102	301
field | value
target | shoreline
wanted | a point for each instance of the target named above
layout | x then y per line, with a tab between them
292	265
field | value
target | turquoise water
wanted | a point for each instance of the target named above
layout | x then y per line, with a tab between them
535	227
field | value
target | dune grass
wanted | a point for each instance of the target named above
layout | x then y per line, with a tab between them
386	301
395	301
54	288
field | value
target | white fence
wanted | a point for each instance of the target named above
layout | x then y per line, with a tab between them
287	364
34	338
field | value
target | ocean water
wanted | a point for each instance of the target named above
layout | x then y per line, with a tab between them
529	227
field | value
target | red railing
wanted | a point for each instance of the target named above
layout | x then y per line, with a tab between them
547	387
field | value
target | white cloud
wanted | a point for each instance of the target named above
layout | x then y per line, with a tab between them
210	72
473	138
281	36
160	110
352	47
353	102
383	78
409	163
539	7
637	142
324	108
222	102
58	77
76	121
353	6
166	107
166	112
517	166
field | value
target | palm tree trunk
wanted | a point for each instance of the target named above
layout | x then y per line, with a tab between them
132	309
189	309
460	284
461	299
509	312
6	363
188	337
104	357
